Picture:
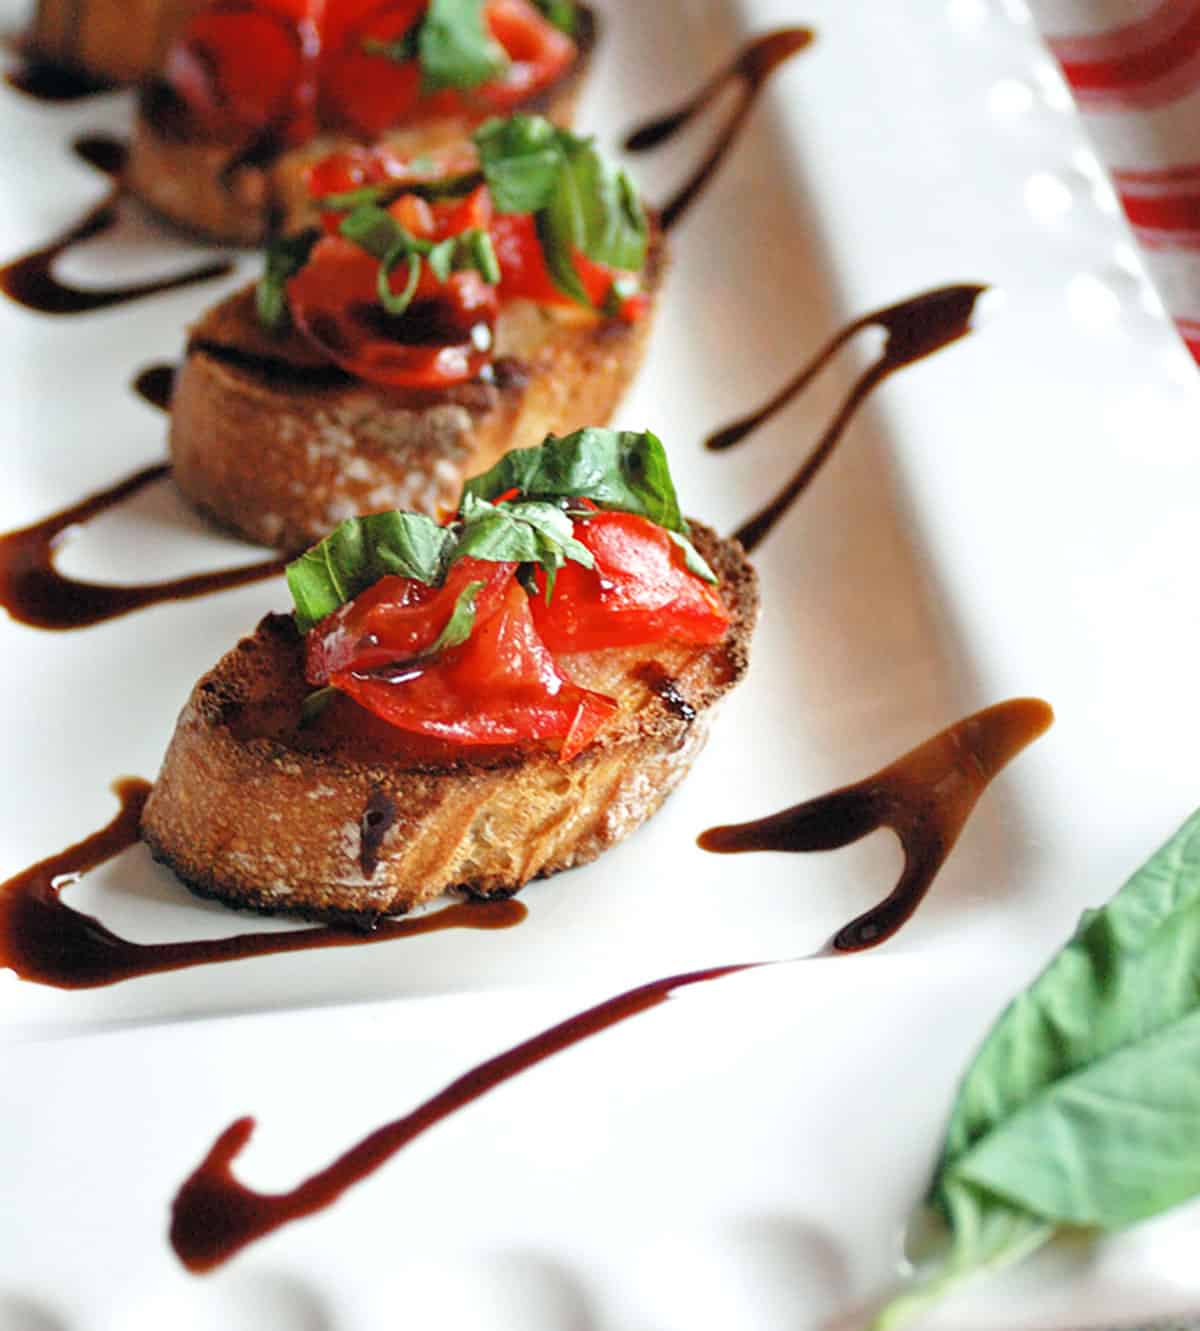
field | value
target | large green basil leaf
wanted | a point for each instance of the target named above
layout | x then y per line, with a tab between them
561	13
521	157
358	553
1081	1107
455	47
596	209
616	469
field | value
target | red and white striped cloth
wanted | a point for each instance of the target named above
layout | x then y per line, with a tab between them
1134	68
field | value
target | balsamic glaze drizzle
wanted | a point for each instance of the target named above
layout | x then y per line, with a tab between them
749	69
45	81
31	282
48	942
214	1215
34	592
926	796
915	328
155	384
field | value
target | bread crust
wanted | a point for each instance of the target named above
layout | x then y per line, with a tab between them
119	40
256	811
217	191
279	447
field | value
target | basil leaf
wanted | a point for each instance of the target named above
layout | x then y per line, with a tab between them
481	254
522	533
315	703
596	209
616	469
350	199
521	158
441	258
692	558
359	552
285	258
373	229
1081	1106
455	47
461	622
581	202
561	13
398	303
401	51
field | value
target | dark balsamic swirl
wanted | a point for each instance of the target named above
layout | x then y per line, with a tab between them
925	797
915	328
30	280
35	593
749	71
45	941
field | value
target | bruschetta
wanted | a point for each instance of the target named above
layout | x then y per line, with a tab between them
254	91
467	705
438	315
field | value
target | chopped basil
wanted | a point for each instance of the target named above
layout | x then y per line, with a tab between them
375	230
559	12
522	531
1080	1109
461	622
401	51
455	47
398	302
581	202
359	552
285	257
521	157
624	472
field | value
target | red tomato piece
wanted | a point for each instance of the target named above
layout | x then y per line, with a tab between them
444	338
639	592
239	67
523	271
399	618
360	90
539	54
501	686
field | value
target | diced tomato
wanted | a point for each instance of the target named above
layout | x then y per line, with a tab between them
501	686
362	90
523	271
539	54
245	68
399	618
352	168
640	591
443	338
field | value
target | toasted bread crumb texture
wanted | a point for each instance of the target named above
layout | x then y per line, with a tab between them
247	810
282	456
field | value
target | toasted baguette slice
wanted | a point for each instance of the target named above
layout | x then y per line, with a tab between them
258	811
118	40
222	191
279	446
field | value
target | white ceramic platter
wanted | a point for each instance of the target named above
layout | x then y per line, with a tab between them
1015	515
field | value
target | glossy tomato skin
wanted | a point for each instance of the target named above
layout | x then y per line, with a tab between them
502	686
444	338
640	592
398	619
242	68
